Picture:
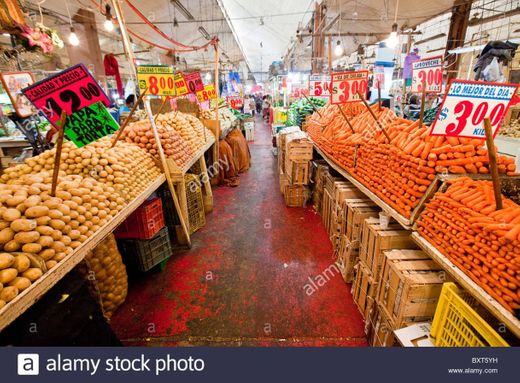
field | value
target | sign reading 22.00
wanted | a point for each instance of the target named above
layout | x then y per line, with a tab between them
428	72
69	91
346	85
468	103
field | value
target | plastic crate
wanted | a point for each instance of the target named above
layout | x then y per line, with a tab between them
143	223
171	218
145	254
196	213
456	324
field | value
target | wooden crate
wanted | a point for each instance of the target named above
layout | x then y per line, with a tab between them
380	329
348	256
376	240
297	172
296	195
364	289
357	210
326	210
283	182
410	286
299	149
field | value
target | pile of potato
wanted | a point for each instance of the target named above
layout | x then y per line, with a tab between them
173	145
38	229
203	134
181	124
125	167
207	114
510	130
110	274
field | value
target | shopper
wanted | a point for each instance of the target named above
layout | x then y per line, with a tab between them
265	107
247	105
129	103
413	108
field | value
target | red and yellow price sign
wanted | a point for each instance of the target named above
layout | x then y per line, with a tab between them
346	85
180	85
194	82
207	94
157	78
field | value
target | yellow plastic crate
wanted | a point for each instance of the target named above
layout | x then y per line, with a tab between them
456	324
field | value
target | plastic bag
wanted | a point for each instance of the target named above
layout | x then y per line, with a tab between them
492	72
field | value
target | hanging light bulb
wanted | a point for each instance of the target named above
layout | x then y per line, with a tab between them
73	38
109	26
338	51
207	77
393	39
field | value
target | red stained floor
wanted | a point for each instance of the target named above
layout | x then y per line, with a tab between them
243	283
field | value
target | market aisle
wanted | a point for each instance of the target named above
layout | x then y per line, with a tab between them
244	280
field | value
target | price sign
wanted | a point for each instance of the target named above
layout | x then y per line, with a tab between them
427	71
379	77
346	85
466	105
90	124
194	82
319	85
180	85
13	83
157	78
69	91
207	94
235	102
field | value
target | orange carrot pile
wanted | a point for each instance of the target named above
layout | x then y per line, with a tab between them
401	170
464	225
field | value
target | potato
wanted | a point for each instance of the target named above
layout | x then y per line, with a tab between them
8	293
55	214
45	241
7	275
32	274
6	260
57	224
47	254
4	224
50	264
52	203
58	247
12	246
2	303
33	200
43	221
15	201
23	224
31	248
45	230
57	235
11	214
21	283
27	237
37	211
21	263
59	257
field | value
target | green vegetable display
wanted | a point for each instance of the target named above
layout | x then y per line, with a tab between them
301	109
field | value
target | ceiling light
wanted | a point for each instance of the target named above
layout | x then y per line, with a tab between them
261	21
182	9
175	22
338	51
6	35
393	39
204	33
109	26
73	38
207	77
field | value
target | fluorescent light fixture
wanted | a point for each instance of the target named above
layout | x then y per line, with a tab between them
204	33
182	9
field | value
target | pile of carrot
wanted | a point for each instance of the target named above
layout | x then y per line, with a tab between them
464	224
398	168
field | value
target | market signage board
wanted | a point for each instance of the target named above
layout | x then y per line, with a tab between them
180	85
194	82
207	94
466	105
158	79
235	102
319	85
13	83
346	85
90	124
69	91
427	71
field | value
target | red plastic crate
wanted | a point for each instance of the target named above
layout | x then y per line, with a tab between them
143	223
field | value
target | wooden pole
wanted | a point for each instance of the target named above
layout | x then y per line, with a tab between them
216	153
131	58
490	143
346	119
127	120
423	101
329	49
312	105
374	116
379	96
57	156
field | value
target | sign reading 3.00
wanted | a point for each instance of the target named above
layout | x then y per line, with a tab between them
346	85
466	105
428	72
69	90
157	78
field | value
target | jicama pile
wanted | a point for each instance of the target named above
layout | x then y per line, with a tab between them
125	167
173	145
399	171
38	230
464	224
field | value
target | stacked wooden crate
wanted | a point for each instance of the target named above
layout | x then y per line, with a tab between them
319	170
294	159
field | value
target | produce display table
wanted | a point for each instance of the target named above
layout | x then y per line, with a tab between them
29	296
495	308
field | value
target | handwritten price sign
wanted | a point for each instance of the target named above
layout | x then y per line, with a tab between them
319	85
466	105
157	78
70	90
194	82
346	85
235	102
207	94
429	72
180	85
